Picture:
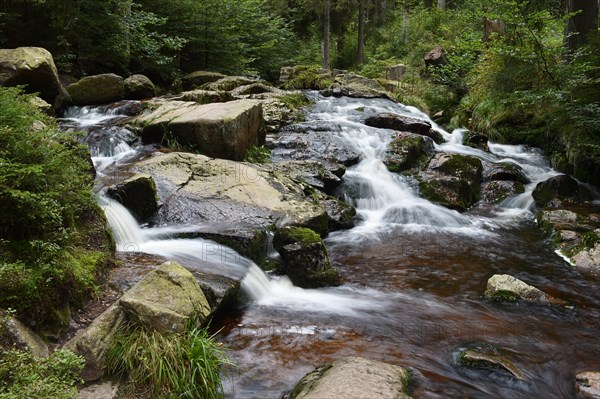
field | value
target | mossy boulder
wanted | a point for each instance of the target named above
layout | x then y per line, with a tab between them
138	194
166	299
494	192
408	150
138	87
501	286
554	191
452	180
503	171
353	85
228	83
305	258
97	89
305	77
198	78
33	67
14	334
487	356
404	123
354	378
476	140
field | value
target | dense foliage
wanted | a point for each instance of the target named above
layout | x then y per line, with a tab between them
47	260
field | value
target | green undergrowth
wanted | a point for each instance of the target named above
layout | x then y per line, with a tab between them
54	243
180	365
256	154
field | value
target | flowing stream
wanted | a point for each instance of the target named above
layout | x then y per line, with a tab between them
414	275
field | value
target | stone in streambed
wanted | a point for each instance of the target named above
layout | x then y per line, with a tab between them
408	150
504	287
97	89
138	87
484	355
138	194
588	384
556	190
404	124
503	171
494	192
354	378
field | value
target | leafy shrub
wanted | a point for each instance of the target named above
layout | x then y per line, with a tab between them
184	365
50	223
24	376
257	154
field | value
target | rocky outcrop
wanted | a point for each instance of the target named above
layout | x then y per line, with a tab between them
395	72
197	79
408	150
452	180
222	191
13	333
506	288
324	176
588	384
354	378
97	89
33	67
353	85
221	130
138	87
164	299
556	190
404	124
305	259
484	355
138	194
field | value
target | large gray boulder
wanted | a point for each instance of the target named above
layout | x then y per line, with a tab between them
305	259
221	130
403	123
97	89
165	299
354	378
198	78
223	191
138	87
33	67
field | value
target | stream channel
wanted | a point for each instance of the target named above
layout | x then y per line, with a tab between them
414	275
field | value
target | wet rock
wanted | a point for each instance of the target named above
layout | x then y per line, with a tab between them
588	259
555	190
245	240
476	140
484	355
505	171
196	189
201	96
35	68
138	194
138	87
221	130
312	141
13	333
166	298
107	389
452	180
408	150
494	192
404	124
354	378
353	85
588	384
305	258
221	292
504	287
339	214
561	219
229	83
94	342
97	89
196	79
324	176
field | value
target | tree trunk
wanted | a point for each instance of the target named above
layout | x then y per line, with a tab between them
441	4
361	32
578	26
326	35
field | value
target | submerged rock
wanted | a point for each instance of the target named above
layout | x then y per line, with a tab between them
305	258
408	150
220	130
33	67
138	194
97	89
484	355
588	384
404	124
506	288
354	378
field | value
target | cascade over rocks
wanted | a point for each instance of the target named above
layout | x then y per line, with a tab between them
35	68
404	124
354	378
221	130
408	150
97	89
